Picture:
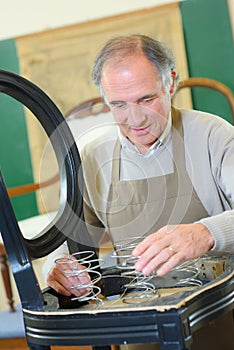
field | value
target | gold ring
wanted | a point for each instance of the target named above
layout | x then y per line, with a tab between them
171	249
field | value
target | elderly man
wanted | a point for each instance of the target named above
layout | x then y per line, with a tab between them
166	176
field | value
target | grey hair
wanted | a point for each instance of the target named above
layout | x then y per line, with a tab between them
117	49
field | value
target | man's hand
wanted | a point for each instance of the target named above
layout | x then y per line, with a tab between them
171	245
61	277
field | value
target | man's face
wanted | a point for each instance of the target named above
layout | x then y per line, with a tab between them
137	99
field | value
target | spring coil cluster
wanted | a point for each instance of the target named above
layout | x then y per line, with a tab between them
139	284
146	286
85	278
139	287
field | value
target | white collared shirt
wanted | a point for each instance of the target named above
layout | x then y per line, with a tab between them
135	165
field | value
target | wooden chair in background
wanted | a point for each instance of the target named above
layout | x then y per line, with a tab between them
6	277
210	84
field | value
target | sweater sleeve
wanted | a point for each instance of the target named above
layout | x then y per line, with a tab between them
58	253
221	225
222	229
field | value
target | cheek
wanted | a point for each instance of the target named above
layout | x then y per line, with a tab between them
163	103
166	104
120	119
122	123
123	128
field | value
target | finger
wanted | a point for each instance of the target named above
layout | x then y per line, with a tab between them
68	281
146	243
77	280
57	285
69	266
151	252
148	256
158	259
175	260
153	238
80	282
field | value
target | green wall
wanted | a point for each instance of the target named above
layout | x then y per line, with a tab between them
15	162
210	50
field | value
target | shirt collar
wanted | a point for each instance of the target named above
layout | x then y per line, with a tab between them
126	144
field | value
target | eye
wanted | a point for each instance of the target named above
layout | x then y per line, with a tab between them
118	105
147	101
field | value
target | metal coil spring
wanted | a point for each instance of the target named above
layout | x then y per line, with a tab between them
189	267
138	288
146	285
72	270
139	284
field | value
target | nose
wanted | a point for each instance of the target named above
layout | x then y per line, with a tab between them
135	115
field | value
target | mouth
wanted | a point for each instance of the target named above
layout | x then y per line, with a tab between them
140	131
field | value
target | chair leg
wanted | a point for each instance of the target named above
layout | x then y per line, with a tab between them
38	347
6	277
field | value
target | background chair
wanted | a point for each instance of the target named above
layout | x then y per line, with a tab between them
211	84
6	277
12	333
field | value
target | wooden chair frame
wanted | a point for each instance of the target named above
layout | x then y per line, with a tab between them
94	107
6	277
212	84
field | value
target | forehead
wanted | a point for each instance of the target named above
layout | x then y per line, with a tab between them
131	77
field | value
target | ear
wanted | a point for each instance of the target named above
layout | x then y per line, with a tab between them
173	75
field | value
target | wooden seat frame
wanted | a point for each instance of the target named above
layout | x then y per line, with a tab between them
96	106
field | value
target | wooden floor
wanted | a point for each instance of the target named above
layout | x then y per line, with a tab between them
21	344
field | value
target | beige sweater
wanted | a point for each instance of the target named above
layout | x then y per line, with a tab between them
209	147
